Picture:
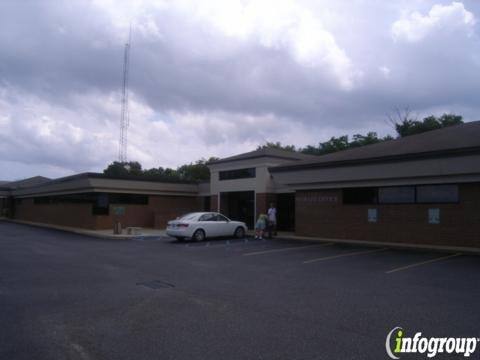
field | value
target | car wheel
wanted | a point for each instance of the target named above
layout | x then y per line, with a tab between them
239	232
199	235
180	238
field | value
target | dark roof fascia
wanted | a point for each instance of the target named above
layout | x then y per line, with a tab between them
222	161
137	178
89	175
379	159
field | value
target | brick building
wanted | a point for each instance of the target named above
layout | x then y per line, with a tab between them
422	189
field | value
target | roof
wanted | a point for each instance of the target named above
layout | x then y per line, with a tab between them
97	182
447	141
24	183
267	152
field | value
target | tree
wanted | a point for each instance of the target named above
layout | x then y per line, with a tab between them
406	125
123	168
276	145
343	143
197	171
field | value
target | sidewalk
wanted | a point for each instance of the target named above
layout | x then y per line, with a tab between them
145	233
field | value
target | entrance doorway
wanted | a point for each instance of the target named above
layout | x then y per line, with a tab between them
286	212
239	205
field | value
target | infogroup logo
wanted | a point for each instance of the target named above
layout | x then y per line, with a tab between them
397	344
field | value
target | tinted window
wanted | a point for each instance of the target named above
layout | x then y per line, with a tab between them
219	217
396	195
237	174
437	194
189	216
360	196
207	217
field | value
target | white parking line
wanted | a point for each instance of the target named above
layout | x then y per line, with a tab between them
344	255
286	249
422	263
226	243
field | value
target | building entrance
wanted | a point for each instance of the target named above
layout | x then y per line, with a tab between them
239	205
286	212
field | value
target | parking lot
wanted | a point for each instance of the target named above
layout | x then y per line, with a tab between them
65	296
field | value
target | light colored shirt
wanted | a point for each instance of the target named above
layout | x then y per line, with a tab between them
272	215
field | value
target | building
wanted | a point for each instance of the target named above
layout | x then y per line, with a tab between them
242	187
422	189
97	201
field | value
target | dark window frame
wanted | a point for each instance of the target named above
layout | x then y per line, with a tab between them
376	198
246	173
414	200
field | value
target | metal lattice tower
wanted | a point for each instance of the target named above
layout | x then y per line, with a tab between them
124	116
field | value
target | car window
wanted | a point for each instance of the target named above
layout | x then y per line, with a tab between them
189	216
207	217
220	217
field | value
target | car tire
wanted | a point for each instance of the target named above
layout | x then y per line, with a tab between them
180	238
198	235
239	232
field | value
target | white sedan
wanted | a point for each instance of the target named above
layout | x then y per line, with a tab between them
200	225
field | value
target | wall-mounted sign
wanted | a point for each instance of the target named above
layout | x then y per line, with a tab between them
318	198
372	215
434	216
118	210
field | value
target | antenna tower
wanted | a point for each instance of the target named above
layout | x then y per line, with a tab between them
124	116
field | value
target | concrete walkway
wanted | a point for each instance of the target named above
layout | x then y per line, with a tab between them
103	234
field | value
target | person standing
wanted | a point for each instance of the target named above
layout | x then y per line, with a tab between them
272	220
260	226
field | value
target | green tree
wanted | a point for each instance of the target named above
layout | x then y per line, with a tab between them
124	168
197	171
408	126
276	145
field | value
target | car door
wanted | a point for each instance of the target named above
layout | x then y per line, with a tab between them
223	225
208	223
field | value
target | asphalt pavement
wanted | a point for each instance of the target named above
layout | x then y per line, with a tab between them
67	296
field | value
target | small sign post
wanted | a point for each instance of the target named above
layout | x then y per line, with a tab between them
118	212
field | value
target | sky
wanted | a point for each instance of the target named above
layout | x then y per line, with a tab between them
218	78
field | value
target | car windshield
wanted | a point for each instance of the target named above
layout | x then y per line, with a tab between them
189	216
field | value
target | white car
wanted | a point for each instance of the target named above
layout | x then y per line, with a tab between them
200	225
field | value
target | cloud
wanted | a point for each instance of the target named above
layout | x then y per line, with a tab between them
215	78
414	26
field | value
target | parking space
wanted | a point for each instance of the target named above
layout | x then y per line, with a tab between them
234	299
390	260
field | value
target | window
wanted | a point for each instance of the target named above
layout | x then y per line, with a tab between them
237	174
396	195
128	199
189	216
360	196
207	217
219	217
101	205
437	194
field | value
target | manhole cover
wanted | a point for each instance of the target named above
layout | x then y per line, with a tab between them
156	284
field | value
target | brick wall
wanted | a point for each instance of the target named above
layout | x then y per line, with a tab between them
73	215
159	210
321	213
214	203
263	201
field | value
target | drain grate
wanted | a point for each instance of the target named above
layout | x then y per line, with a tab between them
156	284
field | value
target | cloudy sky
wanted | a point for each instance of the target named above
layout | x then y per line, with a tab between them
216	78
